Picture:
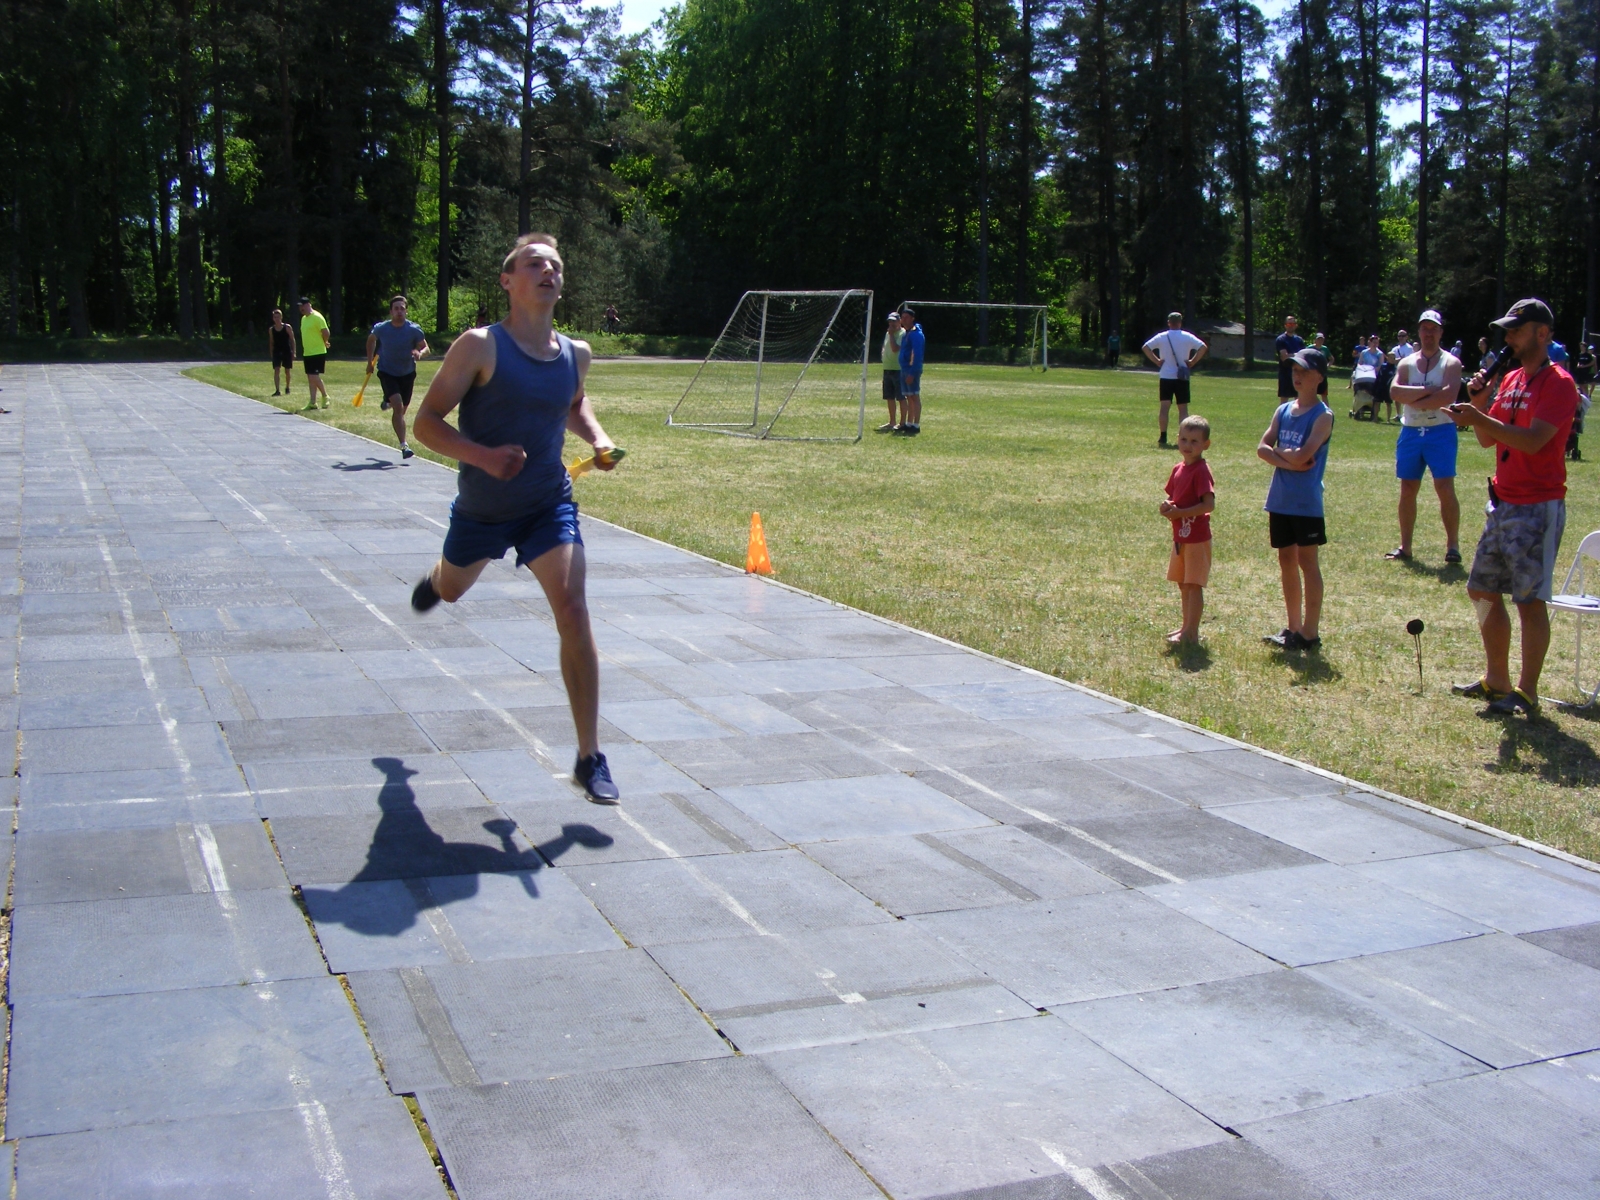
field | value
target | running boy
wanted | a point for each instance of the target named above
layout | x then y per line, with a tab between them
1296	444
396	345
1191	497
519	385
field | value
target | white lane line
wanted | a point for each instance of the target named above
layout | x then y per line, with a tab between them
1088	1180
325	1154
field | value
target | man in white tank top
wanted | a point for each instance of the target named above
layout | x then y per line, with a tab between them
1425	381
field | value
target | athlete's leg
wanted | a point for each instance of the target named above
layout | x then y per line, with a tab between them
1408	511
1494	626
277	376
1161	421
451	581
561	573
1312	570
1289	575
1449	511
397	417
1534	618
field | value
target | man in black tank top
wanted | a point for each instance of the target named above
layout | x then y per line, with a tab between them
280	341
495	510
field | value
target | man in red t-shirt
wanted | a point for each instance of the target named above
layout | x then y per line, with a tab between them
1527	426
1191	497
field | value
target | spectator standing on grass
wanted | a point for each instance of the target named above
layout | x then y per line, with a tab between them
315	342
1287	344
891	374
397	344
1425	384
280	340
1296	446
913	348
1174	351
1113	349
1582	375
613	321
1526	425
1319	343
1191	497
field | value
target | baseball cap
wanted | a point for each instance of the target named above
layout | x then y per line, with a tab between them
1431	314
1312	360
305	300
1525	311
894	316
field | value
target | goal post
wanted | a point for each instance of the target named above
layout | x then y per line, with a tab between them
787	366
1013	334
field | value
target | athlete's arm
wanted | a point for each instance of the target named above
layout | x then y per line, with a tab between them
1267	451
419	352
327	338
372	348
580	417
469	361
1304	458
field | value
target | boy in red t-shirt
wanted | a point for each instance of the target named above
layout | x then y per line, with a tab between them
1191	495
1527	426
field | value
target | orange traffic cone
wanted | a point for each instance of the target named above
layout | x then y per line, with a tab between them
756	560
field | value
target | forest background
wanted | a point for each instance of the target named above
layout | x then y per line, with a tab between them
183	166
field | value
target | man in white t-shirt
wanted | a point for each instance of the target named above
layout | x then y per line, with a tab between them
1427	379
1175	351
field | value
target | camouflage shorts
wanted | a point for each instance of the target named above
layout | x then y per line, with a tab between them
1517	552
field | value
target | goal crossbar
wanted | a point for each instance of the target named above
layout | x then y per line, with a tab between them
754	427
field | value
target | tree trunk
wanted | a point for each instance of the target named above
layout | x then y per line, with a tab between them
219	176
166	311
291	201
1591	293
1247	170
188	236
1022	294
1371	49
525	159
441	96
1189	202
16	264
1501	224
982	132
1422	168
1313	225
1110	252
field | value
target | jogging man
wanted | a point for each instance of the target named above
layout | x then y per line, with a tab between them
315	341
1288	344
912	353
1426	383
397	344
1175	351
519	385
1527	427
280	340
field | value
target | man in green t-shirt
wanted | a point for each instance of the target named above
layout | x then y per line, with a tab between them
314	343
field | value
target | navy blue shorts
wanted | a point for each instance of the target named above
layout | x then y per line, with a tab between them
470	541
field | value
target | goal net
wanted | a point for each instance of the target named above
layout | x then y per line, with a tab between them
1006	334
789	366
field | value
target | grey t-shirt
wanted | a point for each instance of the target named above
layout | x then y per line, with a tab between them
395	344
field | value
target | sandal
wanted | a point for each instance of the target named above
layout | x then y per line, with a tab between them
1513	702
1453	556
1478	691
1398	552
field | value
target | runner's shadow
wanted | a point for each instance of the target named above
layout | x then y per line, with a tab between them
372	464
411	868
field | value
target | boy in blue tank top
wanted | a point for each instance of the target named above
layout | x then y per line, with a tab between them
519	385
1296	444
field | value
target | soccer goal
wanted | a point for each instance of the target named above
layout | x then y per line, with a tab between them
788	366
1005	334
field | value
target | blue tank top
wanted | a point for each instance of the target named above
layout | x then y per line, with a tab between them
1298	493
525	403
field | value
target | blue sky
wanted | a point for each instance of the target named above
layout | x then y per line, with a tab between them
637	14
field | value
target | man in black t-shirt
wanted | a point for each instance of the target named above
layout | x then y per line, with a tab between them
1288	344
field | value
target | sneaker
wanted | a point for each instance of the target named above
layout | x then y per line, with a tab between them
1479	690
384	407
1399	552
276	392
1162	443
1513	702
406	451
887	427
595	777
911	430
423	597
1284	640
1302	642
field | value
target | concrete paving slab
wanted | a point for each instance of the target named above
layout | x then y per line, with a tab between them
108	800
1335	830
1065	951
354	787
1484	1138
458	918
168	1056
535	1018
749	715
981	1105
510	776
763	678
91	864
725	762
718	1130
1230	1170
847	808
1313	914
130	747
159	943
664	721
1024	860
670	826
1580	943
186	705
1496	998
908	875
401	842
302	739
1063	789
1241	1050
1516	890
1201	780
722	896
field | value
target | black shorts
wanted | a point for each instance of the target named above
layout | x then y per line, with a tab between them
1285	529
1285	381
284	359
397	385
891	384
1175	389
314	363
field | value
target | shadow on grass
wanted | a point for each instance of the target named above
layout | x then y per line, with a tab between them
1190	656
1541	747
1308	668
1444	573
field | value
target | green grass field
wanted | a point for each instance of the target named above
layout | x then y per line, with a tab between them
1023	522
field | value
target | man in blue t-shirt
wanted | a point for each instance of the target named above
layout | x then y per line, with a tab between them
1288	344
397	344
912	345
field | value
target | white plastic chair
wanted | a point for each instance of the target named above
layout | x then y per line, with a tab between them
1580	603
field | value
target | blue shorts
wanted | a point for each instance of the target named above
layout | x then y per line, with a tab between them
1431	446
470	541
910	383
